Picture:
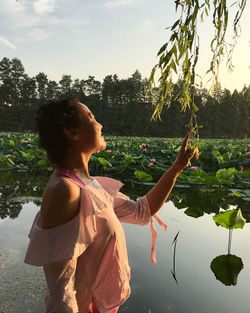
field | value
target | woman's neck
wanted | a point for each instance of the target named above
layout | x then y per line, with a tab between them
77	164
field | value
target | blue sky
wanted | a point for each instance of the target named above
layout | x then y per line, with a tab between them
102	37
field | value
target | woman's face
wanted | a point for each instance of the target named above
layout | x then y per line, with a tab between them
90	139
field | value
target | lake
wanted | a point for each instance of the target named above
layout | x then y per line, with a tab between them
181	282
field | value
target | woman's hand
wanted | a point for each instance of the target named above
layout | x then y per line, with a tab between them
160	192
183	157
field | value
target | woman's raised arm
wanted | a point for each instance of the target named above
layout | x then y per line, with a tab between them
159	193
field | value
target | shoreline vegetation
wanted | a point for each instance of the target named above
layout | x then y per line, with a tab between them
218	179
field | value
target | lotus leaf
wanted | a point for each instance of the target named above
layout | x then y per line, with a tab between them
194	212
226	268
142	175
230	219
104	162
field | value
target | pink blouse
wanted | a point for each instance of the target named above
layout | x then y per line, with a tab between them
87	257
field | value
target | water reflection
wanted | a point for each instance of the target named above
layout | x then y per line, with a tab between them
173	271
22	288
226	268
198	200
20	188
17	189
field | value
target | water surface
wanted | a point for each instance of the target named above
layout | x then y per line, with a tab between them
195	288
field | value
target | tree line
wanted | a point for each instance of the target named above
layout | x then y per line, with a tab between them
122	105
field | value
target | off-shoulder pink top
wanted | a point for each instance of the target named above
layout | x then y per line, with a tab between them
87	257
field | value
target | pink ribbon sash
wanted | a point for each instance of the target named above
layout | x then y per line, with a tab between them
154	236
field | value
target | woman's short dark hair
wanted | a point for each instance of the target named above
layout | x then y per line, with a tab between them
51	120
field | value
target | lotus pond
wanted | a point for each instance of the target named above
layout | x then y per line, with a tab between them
202	267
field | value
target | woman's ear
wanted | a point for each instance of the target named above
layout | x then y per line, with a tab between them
71	134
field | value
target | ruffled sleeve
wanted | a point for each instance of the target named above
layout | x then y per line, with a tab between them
64	242
138	212
130	211
127	210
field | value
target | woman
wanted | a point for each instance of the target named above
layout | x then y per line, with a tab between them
77	236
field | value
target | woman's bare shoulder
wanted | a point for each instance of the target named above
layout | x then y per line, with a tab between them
61	202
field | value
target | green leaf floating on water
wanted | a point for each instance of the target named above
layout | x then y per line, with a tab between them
194	212
226	268
230	219
142	175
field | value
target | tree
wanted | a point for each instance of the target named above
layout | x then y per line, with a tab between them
92	86
78	89
65	86
52	90
17	77
180	54
11	78
42	82
28	90
5	80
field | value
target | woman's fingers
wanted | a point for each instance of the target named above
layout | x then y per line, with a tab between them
185	142
190	151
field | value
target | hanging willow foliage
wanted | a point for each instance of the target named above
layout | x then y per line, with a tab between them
180	54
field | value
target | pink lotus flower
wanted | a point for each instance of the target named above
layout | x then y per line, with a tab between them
150	164
248	152
143	145
248	145
108	150
152	160
22	141
241	167
29	145
7	155
165	142
194	168
144	150
7	186
245	150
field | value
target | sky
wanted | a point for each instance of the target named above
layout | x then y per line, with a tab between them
104	37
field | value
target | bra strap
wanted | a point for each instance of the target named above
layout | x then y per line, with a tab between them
70	174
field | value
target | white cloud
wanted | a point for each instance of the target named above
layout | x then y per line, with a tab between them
7	43
13	7
38	34
34	35
120	3
44	6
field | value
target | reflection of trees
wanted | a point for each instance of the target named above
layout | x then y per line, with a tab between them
9	209
17	189
199	200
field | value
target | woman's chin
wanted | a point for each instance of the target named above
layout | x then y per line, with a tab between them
103	145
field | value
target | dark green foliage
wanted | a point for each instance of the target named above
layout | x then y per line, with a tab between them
226	268
121	105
